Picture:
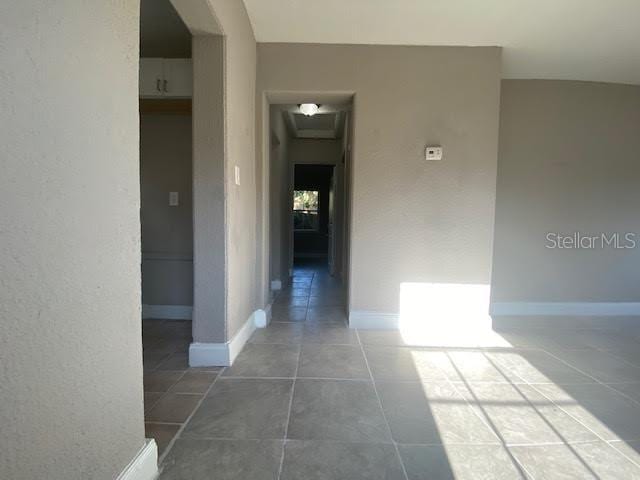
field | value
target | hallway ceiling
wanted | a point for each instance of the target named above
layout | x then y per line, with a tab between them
327	123
594	40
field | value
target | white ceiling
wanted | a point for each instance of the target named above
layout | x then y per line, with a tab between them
596	40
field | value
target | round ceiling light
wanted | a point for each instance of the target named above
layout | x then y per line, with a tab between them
309	109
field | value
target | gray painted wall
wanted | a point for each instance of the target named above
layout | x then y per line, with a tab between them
167	232
210	223
411	221
71	402
569	162
280	200
244	234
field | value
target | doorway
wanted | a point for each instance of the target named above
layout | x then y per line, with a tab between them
309	185
313	214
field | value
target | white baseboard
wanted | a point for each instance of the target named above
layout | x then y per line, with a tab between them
167	312
144	465
373	320
276	285
267	316
223	354
575	309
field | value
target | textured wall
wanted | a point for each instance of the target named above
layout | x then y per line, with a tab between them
242	232
209	218
412	221
167	232
71	403
279	200
568	162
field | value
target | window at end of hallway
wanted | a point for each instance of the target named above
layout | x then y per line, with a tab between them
305	210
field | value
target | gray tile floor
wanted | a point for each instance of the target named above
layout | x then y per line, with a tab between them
308	398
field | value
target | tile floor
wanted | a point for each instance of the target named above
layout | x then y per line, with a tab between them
172	390
308	398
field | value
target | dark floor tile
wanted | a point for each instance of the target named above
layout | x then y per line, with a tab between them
326	315
326	300
191	459
459	462
288	314
294	291
265	360
160	381
313	460
243	408
194	382
279	333
173	408
332	361
298	281
150	399
162	433
289	301
329	334
177	361
630	389
341	410
151	360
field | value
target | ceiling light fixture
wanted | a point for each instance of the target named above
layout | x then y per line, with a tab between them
309	109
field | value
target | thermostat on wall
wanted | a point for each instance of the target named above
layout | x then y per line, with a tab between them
433	152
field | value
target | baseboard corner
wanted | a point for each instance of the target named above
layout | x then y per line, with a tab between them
144	465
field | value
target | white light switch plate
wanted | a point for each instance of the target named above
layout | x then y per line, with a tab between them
237	174
174	199
433	152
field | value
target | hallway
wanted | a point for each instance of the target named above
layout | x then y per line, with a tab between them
309	398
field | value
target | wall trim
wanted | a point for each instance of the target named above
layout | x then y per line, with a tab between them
167	312
276	285
268	315
224	354
578	309
373	320
144	465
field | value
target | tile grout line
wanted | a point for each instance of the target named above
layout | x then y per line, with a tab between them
597	381
286	425
487	420
384	416
183	425
542	417
164	394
